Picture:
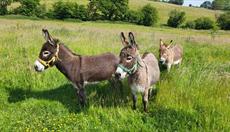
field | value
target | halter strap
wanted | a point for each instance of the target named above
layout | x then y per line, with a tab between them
130	70
52	60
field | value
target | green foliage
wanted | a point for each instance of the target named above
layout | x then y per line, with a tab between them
133	16
221	5
149	15
3	6
204	23
206	4
30	8
190	24
224	21
63	10
176	18
110	9
177	2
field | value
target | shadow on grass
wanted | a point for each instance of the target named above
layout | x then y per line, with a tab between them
98	95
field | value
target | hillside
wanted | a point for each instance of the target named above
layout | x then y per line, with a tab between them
163	9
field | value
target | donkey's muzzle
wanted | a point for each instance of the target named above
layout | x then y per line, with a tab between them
118	75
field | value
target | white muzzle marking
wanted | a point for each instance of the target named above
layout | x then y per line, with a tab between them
39	66
163	60
123	73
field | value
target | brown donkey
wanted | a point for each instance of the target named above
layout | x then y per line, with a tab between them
143	71
78	69
170	54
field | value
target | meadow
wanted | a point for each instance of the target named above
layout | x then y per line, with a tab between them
192	97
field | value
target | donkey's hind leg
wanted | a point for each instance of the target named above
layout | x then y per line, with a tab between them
145	99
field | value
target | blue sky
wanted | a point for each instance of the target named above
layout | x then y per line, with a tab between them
194	2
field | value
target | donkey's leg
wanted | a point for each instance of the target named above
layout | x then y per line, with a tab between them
145	99
81	94
134	100
169	67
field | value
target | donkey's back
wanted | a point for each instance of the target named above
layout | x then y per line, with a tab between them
177	51
98	68
152	67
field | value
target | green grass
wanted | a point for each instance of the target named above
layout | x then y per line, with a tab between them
193	97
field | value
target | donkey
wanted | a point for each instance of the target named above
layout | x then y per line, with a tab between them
142	72
170	54
80	70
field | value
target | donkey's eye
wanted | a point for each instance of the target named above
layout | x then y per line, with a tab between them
45	53
129	58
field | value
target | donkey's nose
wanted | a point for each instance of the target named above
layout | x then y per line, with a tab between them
36	67
117	75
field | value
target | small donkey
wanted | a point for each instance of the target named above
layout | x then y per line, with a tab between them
170	54
78	69
143	71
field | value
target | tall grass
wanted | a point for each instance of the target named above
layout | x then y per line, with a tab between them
192	97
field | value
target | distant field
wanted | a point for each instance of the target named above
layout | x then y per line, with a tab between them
193	97
163	9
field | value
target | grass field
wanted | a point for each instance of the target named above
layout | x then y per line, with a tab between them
193	97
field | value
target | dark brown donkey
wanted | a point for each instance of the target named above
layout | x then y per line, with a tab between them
78	69
143	71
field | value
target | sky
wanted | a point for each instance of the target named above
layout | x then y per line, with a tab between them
194	2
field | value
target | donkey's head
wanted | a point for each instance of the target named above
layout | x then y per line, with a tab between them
48	54
164	51
129	57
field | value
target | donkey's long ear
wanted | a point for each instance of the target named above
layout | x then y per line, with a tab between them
169	45
47	36
132	39
161	42
123	39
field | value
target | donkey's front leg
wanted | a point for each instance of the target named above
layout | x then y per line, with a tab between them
145	99
134	100
81	94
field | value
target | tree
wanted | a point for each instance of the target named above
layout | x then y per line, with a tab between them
177	2
149	15
221	4
224	21
30	8
206	4
176	18
110	9
3	6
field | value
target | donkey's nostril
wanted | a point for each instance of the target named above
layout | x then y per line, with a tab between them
35	67
117	75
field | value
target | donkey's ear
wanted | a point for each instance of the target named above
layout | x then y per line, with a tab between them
47	36
169	45
123	39
161	42
132	39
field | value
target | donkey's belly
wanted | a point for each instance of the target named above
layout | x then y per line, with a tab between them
137	88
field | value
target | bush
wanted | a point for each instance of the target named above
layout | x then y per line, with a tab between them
204	23
133	16
177	2
3	6
224	21
176	18
30	8
149	15
190	24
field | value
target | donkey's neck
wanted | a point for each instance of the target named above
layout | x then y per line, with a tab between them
67	63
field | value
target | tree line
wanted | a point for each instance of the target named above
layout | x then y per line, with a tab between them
111	10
